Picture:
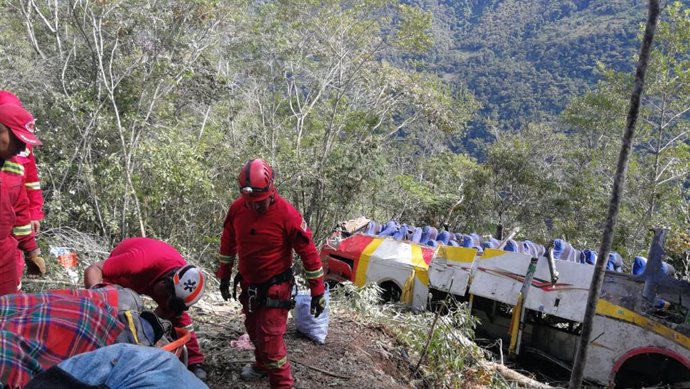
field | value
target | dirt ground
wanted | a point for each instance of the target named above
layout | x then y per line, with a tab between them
354	356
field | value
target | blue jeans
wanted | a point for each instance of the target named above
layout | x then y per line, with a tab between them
128	366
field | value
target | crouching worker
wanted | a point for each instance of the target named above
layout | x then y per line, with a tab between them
261	229
154	268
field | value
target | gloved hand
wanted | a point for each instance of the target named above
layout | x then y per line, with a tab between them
35	263
224	270
318	305
225	289
36	226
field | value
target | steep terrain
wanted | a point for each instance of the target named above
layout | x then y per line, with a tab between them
357	354
354	356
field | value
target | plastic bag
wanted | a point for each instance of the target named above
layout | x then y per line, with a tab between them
67	257
314	328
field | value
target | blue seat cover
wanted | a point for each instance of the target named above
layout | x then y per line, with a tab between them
443	237
639	263
588	256
390	229
615	262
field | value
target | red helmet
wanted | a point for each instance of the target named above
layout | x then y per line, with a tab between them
256	180
7	97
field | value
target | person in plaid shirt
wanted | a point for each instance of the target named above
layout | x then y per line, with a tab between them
39	330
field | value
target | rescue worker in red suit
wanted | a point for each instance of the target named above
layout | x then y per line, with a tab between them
261	229
13	174
31	180
28	206
16	132
154	268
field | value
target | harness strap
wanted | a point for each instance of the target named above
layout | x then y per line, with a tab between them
256	293
274	303
279	279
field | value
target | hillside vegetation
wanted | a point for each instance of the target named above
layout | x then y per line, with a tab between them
469	113
524	60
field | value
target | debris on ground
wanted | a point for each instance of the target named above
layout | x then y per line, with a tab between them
354	356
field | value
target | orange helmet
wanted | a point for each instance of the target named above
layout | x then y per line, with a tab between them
256	180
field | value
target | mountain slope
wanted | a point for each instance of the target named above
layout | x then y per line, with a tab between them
525	59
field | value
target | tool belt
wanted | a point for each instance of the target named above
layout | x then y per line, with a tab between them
256	294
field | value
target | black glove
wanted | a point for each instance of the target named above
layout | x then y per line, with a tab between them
225	289
318	304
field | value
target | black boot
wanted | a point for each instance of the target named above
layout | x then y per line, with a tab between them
198	371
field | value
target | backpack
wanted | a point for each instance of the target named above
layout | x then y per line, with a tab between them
142	326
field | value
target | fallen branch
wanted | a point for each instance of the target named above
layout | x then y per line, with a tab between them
512	375
428	341
319	369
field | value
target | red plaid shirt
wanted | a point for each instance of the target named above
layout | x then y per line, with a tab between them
39	330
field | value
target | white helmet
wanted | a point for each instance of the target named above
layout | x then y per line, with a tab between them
189	284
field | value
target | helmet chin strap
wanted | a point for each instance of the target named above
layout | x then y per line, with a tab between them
175	304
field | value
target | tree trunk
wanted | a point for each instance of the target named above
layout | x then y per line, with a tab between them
618	184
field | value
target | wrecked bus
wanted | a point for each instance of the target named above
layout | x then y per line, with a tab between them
641	333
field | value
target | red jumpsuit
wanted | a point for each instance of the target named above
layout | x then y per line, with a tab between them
8	245
137	263
264	244
14	172
32	183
